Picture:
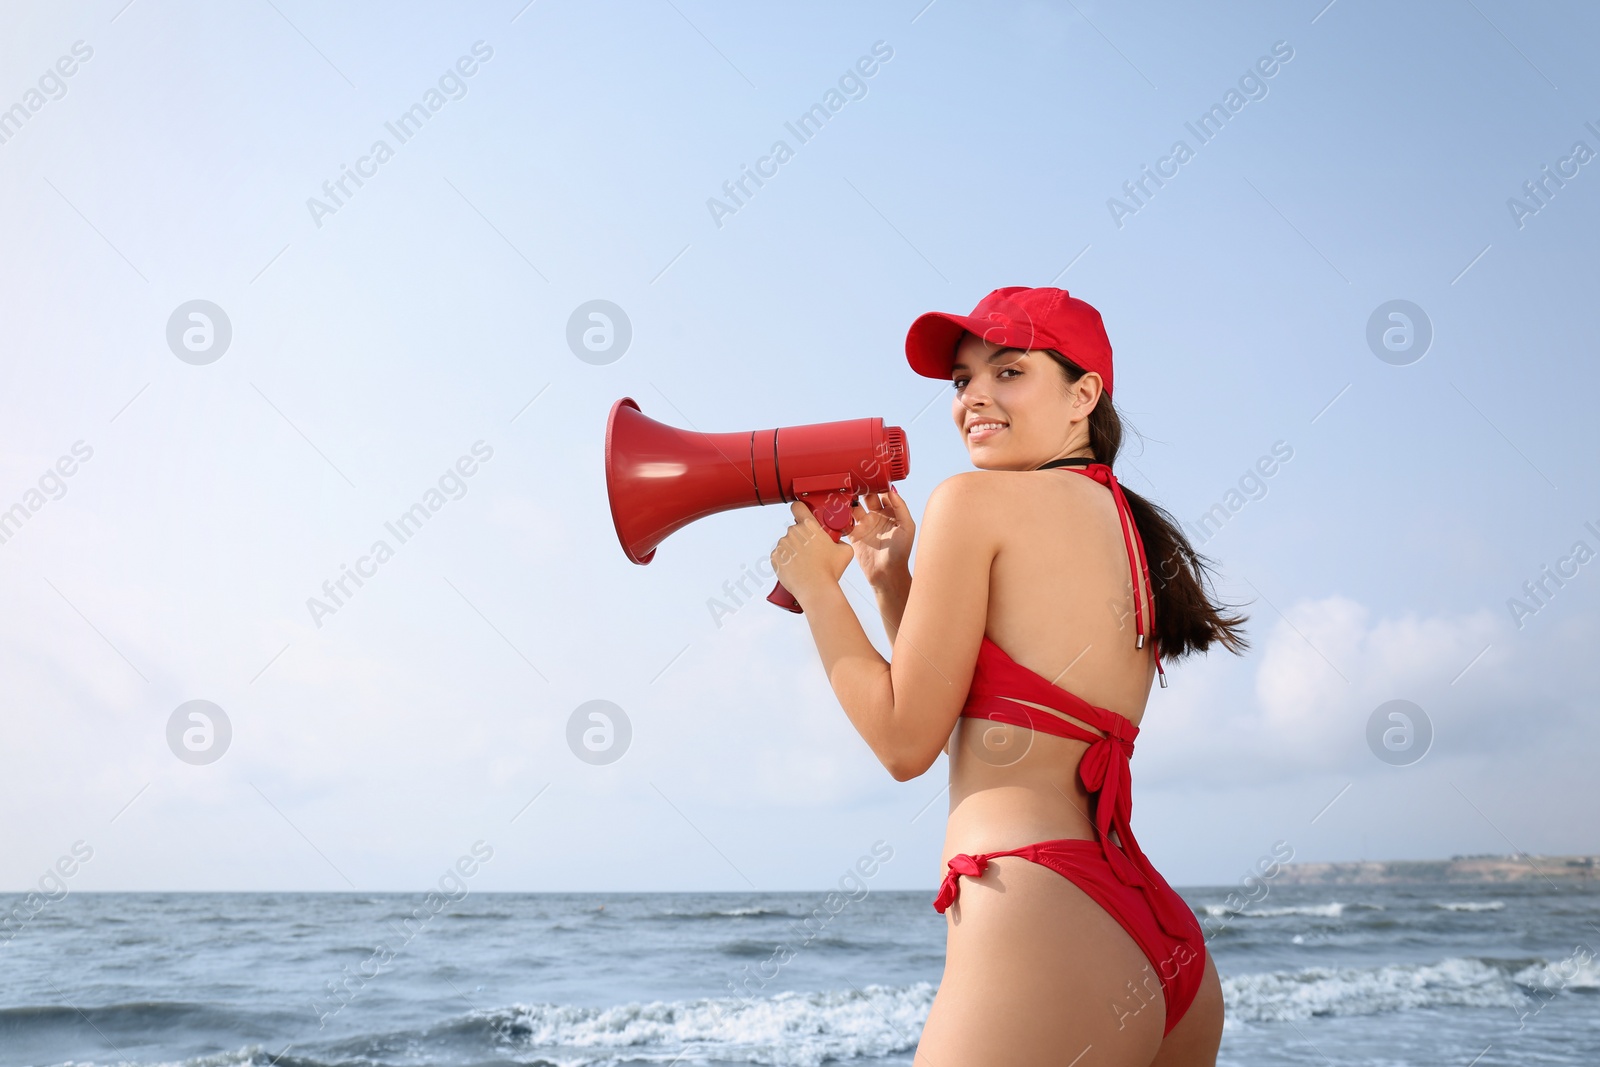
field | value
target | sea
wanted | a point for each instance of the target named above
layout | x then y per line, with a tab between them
1379	976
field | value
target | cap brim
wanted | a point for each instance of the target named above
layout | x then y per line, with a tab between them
931	343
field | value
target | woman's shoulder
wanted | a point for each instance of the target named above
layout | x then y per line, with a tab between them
980	498
961	508
985	487
963	482
988	504
969	489
978	481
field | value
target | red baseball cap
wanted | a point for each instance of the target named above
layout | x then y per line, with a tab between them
1014	317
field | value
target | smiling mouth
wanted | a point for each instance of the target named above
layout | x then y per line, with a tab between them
979	431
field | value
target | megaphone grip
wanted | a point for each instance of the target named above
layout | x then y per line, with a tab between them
830	509
784	599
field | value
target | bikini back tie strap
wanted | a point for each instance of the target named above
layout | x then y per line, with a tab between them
1137	563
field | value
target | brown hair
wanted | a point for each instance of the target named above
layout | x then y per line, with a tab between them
1186	618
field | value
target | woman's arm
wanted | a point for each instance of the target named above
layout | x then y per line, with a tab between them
891	594
882	538
906	707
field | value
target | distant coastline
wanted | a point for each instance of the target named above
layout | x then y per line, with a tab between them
1485	868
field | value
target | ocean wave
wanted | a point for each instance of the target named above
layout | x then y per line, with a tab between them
783	1030
748	948
745	913
1334	909
1281	996
808	1029
1574	972
167	1014
1470	905
248	1056
726	913
1331	910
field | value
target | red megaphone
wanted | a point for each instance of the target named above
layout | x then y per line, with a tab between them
660	478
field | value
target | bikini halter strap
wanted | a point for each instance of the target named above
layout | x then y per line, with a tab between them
1137	562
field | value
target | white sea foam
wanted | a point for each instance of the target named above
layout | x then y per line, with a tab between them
1334	909
1227	911
784	1030
1470	905
1455	982
1580	970
1331	910
726	913
811	1029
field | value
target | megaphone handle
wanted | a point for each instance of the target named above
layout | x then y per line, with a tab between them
784	599
833	507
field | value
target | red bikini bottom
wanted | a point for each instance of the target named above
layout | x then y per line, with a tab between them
1179	962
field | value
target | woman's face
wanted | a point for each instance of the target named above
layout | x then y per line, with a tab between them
1014	409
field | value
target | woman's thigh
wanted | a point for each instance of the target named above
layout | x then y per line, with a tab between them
1037	973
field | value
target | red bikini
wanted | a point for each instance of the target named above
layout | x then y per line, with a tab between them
1120	879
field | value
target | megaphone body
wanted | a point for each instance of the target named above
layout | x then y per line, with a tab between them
660	478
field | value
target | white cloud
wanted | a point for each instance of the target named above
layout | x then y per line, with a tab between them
1301	703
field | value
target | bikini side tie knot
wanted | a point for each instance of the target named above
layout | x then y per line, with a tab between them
959	864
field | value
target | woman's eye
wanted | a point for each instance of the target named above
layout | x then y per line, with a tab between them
958	383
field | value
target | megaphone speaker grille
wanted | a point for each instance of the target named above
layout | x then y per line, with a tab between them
894	442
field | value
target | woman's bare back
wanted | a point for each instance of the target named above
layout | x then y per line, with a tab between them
1061	605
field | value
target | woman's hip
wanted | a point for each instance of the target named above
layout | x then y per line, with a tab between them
1033	962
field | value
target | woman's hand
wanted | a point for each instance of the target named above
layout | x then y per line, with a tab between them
882	536
806	559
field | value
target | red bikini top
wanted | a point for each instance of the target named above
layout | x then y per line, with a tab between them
999	683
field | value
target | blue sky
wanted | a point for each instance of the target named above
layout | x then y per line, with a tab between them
374	346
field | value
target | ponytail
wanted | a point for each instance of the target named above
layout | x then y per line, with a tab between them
1186	618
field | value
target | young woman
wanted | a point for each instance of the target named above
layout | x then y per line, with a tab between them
1025	650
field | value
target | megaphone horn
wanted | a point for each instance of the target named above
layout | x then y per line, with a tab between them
660	478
